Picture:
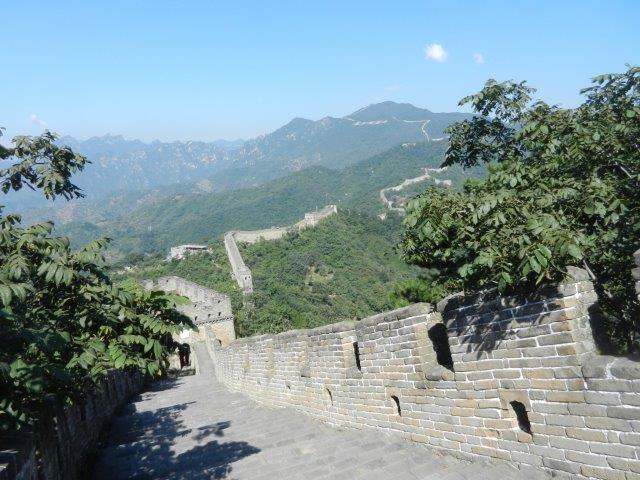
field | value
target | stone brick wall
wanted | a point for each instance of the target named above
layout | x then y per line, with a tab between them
257	235
206	305
516	379
181	251
208	308
241	272
63	441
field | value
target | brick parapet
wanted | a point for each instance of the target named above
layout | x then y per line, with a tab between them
525	385
209	310
61	443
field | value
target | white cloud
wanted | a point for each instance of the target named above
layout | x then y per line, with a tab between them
392	88
478	58
38	121
435	51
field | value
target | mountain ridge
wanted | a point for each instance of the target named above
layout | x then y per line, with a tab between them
120	164
186	217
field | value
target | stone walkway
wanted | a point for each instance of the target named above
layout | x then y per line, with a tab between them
194	428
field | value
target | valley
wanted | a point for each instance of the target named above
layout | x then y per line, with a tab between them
345	267
122	167
155	226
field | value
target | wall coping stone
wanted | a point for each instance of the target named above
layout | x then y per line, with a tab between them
609	366
461	299
401	313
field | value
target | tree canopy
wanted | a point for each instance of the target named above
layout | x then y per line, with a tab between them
563	189
63	323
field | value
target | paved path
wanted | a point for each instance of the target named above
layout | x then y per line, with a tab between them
194	428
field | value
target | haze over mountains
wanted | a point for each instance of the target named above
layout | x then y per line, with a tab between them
132	165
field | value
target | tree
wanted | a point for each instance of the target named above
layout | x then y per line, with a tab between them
563	189
63	324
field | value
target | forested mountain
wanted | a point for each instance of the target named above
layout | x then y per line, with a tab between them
118	164
186	218
338	142
344	268
121	165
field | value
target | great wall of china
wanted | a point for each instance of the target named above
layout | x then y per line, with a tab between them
479	376
241	272
515	379
407	183
205	307
511	380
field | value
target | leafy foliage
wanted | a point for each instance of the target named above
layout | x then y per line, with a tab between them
562	189
63	324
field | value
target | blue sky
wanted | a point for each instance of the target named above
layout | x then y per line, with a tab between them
204	70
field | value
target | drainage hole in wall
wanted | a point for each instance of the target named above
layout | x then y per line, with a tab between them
356	353
521	414
396	400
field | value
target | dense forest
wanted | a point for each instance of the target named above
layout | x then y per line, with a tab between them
344	268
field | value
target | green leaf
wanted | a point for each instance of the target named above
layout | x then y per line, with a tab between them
574	251
119	362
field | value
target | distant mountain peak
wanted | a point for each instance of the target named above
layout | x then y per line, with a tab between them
390	111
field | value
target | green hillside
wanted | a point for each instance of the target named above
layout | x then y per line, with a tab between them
211	270
186	218
344	268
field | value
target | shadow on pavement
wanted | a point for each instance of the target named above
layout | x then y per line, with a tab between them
144	445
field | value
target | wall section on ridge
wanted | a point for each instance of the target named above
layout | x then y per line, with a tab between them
207	308
241	273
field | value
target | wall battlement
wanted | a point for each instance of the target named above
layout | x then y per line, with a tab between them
207	308
511	378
